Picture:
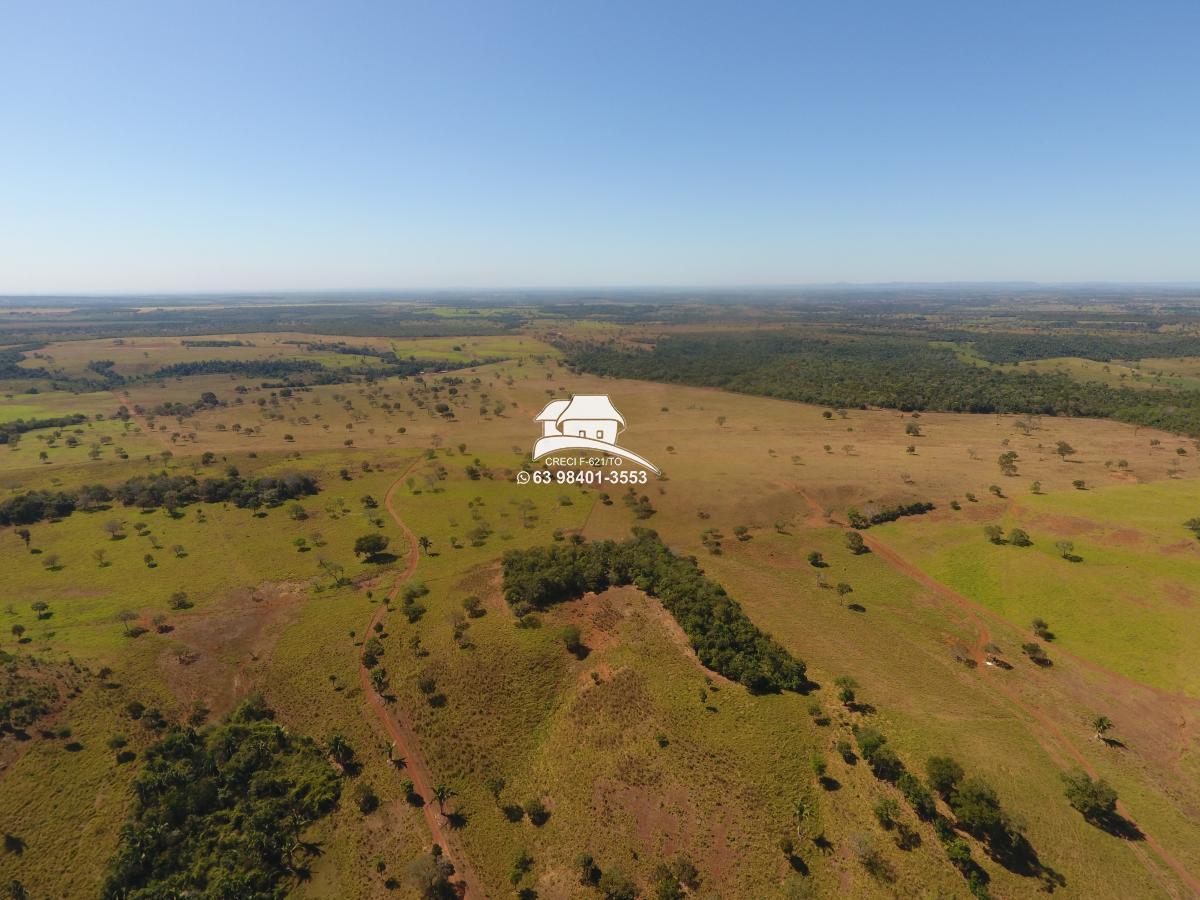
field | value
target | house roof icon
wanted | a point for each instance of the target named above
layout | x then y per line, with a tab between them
581	407
585	422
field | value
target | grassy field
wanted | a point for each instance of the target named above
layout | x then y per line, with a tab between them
637	752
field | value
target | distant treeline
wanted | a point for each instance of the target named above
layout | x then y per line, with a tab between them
158	491
725	640
20	426
10	358
888	514
899	373
217	343
1014	347
312	371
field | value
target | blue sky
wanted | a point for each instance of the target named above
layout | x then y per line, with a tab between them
191	146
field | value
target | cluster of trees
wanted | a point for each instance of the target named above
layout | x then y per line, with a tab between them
26	696
219	812
725	640
215	342
158	491
887	514
886	371
175	408
20	426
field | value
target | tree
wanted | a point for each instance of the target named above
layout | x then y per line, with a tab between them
99	555
801	812
370	545
994	533
40	607
977	807
944	774
117	743
1019	538
340	750
1096	800
495	786
846	686
1066	549
26	535
854	541
571	637
17	631
1101	725
815	559
115	528
1063	449
126	616
441	793
424	543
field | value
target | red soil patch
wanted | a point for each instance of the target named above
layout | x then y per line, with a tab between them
218	655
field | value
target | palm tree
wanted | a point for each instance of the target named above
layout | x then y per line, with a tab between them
441	794
425	543
800	813
340	750
1101	724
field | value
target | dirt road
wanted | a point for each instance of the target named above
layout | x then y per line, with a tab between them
399	730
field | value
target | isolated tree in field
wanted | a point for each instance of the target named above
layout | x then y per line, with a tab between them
1063	449
994	533
26	535
1036	487
98	556
115	528
1101	725
51	562
815	559
846	686
441	793
117	744
126	616
17	631
1066	549
1019	538
424	543
39	607
571	638
340	751
843	589
495	786
855	542
370	545
1095	799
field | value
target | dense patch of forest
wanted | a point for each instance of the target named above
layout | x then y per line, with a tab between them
20	426
1014	347
159	491
724	639
898	373
219	812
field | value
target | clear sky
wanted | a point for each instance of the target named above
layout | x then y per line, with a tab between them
197	145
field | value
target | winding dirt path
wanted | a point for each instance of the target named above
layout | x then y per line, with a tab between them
400	731
1049	736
